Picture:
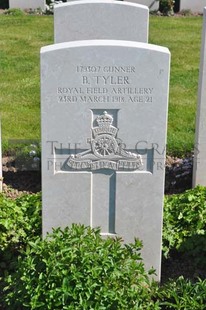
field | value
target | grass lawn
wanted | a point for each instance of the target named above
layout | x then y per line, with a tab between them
182	35
20	43
22	38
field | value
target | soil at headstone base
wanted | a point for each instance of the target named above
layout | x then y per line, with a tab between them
17	182
178	178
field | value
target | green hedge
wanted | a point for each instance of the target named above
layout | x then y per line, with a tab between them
76	269
184	226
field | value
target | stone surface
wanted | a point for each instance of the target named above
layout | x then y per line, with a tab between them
104	116
100	19
27	4
199	166
193	5
153	5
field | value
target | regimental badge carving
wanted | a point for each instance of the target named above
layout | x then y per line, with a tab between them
106	150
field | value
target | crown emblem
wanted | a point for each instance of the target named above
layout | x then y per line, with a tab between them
104	123
104	120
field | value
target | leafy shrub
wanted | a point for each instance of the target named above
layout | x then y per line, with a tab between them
167	7
77	269
14	12
19	222
183	294
50	5
184	226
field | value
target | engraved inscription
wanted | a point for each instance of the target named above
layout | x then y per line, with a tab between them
107	69
102	84
105	80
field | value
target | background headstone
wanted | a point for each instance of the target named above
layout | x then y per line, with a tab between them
153	5
199	165
27	4
100	19
104	117
193	5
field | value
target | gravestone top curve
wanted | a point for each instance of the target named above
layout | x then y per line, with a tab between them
101	19
114	2
120	43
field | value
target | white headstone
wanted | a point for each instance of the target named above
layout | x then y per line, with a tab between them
104	117
1	179
193	5
153	5
27	4
100	19
199	165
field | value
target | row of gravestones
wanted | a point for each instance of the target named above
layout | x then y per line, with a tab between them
104	112
104	102
34	4
194	6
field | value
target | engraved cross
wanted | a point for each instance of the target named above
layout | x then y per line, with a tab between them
105	156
